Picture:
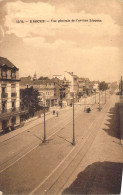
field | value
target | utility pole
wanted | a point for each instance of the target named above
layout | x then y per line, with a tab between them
84	102
99	100
105	96
44	140
121	86
73	142
95	97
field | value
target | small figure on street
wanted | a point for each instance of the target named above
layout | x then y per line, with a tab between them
57	113
88	110
53	112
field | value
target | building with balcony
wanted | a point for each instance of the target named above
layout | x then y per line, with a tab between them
9	95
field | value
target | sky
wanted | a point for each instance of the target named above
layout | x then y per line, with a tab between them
88	49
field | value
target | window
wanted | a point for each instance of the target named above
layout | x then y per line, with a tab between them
13	88
4	73
13	74
13	104
4	104
3	86
4	91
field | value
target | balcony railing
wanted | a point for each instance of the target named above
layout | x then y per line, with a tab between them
4	95
14	94
6	113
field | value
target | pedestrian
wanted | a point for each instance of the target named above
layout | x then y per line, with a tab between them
53	112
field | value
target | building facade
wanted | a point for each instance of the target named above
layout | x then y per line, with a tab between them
46	94
73	86
45	89
9	95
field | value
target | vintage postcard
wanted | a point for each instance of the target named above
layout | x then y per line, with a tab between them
61	97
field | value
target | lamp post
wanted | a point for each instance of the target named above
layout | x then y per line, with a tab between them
73	141
121	86
105	96
95	97
44	139
99	100
84	102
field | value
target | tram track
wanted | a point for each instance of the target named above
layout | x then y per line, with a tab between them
26	150
58	178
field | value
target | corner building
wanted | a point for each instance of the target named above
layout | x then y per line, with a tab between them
9	96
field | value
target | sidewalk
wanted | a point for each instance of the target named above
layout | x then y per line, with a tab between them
30	123
36	120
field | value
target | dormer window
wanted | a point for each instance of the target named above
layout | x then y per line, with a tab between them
13	74
4	73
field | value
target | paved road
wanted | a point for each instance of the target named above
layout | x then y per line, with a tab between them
31	172
22	143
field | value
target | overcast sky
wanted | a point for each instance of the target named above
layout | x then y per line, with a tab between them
89	49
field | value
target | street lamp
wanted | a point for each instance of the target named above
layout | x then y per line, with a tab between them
85	102
44	139
121	86
105	96
109	92
95	97
73	141
99	100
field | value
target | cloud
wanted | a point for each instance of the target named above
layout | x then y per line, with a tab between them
88	49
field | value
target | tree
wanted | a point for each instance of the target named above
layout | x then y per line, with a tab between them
29	99
103	86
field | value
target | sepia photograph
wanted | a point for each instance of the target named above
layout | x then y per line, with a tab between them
61	97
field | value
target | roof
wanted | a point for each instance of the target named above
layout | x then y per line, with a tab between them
4	62
37	83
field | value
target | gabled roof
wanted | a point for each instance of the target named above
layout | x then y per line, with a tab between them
4	62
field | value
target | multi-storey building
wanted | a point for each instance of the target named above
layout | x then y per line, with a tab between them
61	91
46	94
9	95
73	85
45	89
81	87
